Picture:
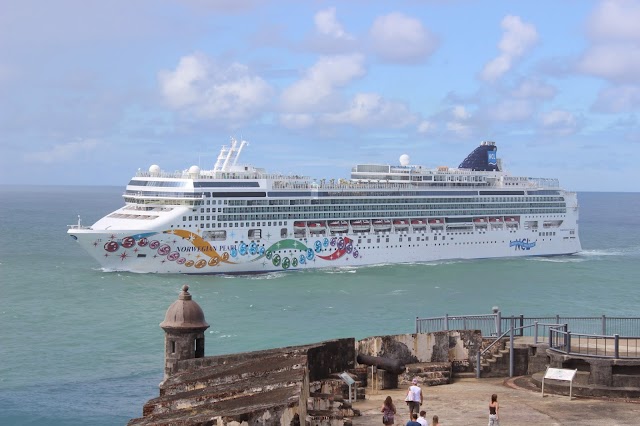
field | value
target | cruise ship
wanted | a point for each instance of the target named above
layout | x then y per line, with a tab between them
241	219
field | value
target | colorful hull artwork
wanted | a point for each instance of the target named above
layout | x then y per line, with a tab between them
238	219
199	254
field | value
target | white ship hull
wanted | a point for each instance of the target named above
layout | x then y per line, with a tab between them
239	219
187	253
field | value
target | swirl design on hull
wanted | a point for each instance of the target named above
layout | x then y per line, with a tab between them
202	245
285	254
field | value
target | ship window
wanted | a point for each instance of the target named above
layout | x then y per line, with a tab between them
190	218
184	218
283	232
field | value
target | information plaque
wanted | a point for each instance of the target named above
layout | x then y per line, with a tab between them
560	374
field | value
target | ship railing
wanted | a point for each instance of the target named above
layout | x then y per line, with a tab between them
369	185
78	227
545	182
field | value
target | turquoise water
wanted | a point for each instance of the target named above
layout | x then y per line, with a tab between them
79	346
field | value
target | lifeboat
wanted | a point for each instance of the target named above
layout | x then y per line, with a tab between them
316	226
400	224
495	219
436	223
360	225
418	223
299	225
339	225
479	220
382	225
511	221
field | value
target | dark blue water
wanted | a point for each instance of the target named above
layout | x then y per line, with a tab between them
80	346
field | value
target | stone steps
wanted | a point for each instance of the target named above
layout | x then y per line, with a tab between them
429	373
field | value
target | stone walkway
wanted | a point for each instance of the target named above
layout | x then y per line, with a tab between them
466	401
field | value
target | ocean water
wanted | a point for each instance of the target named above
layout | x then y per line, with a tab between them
80	346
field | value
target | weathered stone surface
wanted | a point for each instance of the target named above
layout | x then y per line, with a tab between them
265	388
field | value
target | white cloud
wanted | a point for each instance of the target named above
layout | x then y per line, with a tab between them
181	87
459	129
459	112
618	99
534	89
328	25
459	123
370	109
63	152
399	38
559	122
616	62
615	19
317	88
517	39
296	121
426	126
615	34
212	91
511	110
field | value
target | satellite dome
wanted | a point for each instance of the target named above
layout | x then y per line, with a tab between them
194	170
154	169
404	160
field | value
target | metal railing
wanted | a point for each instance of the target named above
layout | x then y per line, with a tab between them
488	324
600	337
493	324
593	345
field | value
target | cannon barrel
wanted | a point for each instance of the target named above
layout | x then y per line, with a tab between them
388	364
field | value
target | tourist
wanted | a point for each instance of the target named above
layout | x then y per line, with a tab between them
388	411
414	397
494	419
413	420
436	421
422	419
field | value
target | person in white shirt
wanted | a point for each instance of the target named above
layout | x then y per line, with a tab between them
414	397
422	420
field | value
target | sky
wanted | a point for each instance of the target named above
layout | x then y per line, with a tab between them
92	91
